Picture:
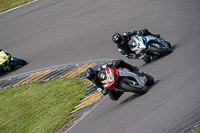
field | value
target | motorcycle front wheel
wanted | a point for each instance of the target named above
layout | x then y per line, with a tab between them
169	44
129	87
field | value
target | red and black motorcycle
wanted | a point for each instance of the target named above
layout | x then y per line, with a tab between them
126	81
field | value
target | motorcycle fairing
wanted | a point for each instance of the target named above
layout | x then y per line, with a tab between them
124	73
138	41
111	79
155	39
13	63
3	57
142	41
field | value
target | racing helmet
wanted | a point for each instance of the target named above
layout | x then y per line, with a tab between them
90	73
117	38
102	75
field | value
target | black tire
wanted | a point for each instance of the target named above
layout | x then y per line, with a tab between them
169	44
19	61
150	80
161	51
129	88
2	72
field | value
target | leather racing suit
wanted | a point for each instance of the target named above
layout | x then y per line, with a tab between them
4	60
124	48
113	94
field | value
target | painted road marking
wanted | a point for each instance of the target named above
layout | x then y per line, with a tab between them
18	7
88	100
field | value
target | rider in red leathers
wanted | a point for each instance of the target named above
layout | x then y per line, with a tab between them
96	77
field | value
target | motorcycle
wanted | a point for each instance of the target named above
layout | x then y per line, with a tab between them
10	65
126	81
148	47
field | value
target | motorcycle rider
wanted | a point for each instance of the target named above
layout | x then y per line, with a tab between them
122	42
96	76
5	58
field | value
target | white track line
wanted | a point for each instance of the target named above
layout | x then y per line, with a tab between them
18	7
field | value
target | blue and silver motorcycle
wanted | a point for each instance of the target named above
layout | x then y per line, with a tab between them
148	47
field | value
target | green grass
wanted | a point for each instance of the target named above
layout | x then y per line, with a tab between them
39	107
8	4
196	131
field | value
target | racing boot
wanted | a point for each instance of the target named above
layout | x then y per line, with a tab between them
147	32
7	68
146	58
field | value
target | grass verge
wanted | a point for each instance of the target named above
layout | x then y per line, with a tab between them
196	131
8	4
39	107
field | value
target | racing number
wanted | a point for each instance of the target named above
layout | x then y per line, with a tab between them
3	57
103	76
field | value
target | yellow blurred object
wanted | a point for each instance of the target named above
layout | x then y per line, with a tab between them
3	57
7	68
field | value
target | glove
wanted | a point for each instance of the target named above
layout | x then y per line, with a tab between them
99	89
103	91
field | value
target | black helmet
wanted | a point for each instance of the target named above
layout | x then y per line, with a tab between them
117	38
90	73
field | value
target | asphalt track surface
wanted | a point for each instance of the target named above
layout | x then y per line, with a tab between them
48	33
